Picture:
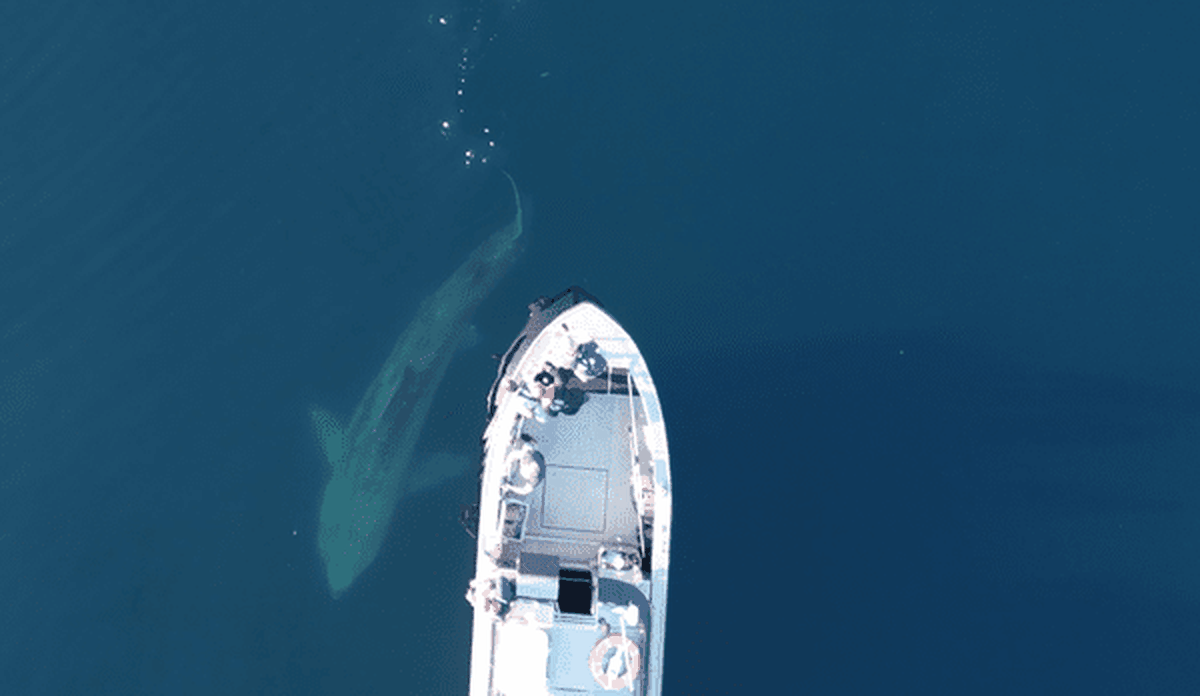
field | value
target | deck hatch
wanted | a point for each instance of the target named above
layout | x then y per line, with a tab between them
574	591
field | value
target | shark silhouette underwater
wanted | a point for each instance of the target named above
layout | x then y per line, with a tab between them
371	458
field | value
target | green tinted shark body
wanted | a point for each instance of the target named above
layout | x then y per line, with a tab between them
371	458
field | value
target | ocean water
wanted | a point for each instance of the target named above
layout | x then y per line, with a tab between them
918	283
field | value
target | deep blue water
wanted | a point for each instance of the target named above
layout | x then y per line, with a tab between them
919	284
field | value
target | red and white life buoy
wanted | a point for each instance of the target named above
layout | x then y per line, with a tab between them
605	671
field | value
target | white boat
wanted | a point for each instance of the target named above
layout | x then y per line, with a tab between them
574	514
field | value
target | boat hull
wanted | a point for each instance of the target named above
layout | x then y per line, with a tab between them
574	516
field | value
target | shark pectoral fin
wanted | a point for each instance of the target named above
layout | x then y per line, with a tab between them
436	469
332	437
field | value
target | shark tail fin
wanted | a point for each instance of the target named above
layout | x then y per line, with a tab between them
332	436
516	196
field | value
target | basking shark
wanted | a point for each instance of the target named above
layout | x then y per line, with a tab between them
371	458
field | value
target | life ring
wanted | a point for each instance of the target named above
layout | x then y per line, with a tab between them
610	648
